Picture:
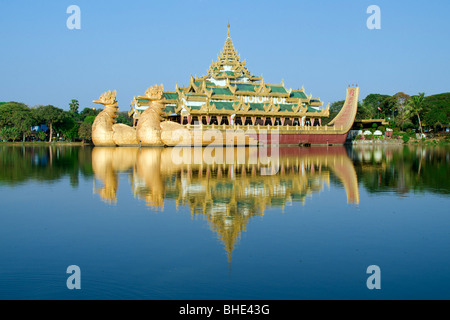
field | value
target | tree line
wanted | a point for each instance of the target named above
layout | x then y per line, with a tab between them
17	121
402	110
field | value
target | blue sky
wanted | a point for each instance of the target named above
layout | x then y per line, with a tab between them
130	45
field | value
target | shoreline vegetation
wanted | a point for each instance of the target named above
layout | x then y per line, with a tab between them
428	142
45	143
410	119
380	167
443	140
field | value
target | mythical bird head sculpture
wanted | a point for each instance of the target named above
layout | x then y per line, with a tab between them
107	99
155	92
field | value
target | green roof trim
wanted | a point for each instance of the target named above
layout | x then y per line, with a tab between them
195	95
224	105
224	91
298	94
169	109
257	106
311	109
170	95
228	73
245	87
208	83
286	107
277	89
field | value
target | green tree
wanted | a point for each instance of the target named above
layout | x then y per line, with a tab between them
16	115
397	105
335	107
3	134
72	133
41	136
376	104
23	120
67	126
15	134
90	120
85	131
124	118
436	110
365	111
51	116
415	106
7	134
74	104
7	111
87	112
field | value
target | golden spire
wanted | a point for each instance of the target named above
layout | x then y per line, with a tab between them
228	64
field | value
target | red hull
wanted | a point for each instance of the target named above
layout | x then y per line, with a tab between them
297	139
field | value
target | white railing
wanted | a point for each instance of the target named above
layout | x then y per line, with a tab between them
260	127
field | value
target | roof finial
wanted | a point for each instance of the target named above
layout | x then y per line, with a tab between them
228	35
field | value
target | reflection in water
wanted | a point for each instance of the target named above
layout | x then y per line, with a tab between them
403	169
228	194
20	164
49	216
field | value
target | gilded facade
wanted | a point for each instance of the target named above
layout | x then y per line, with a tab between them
230	95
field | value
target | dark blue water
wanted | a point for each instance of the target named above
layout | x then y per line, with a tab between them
141	227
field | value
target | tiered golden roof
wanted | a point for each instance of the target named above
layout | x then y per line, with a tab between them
229	88
228	64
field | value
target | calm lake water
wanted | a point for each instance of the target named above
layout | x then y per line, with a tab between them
141	224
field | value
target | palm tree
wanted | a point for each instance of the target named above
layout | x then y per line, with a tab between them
415	105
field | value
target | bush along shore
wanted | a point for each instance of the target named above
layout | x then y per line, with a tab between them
44	143
398	137
19	122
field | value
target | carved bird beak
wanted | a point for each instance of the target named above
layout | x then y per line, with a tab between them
97	101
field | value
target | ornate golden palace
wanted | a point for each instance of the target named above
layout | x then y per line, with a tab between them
227	99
